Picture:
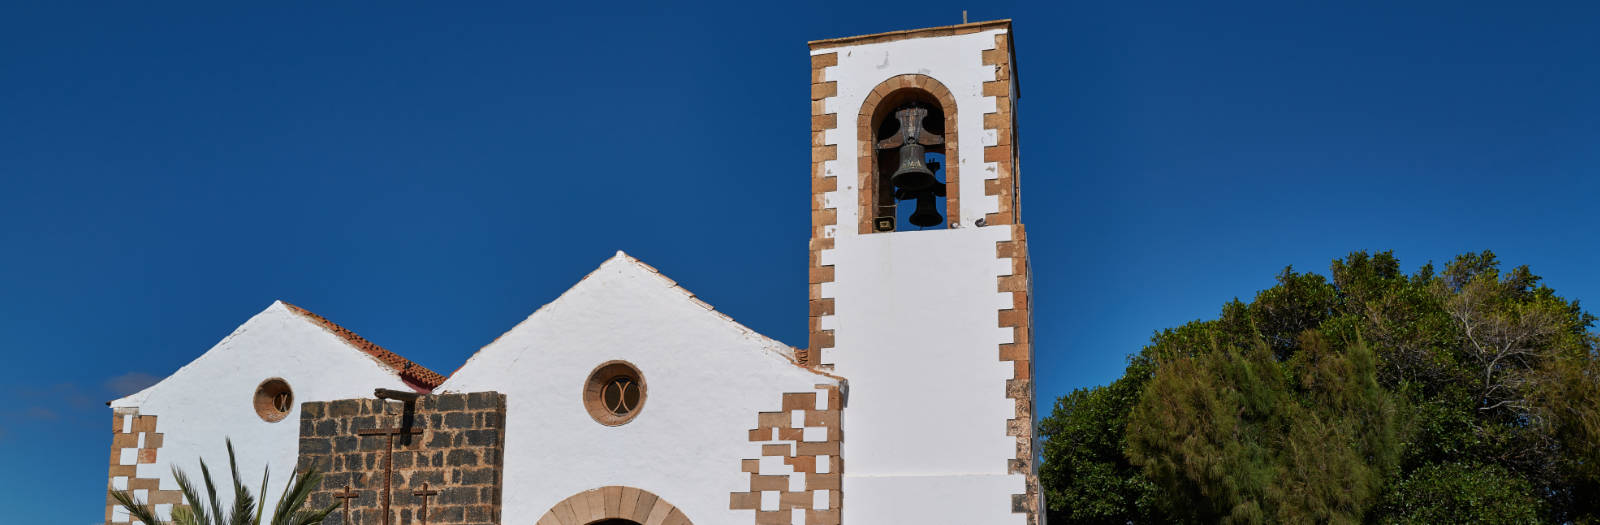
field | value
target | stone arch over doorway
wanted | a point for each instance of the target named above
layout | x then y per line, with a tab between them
614	505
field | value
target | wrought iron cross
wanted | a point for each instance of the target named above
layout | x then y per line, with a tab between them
425	494
388	460
347	495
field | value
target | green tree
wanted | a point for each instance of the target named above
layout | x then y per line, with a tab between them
1091	481
1462	493
1236	435
1363	398
209	511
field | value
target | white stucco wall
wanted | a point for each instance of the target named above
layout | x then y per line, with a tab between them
211	398
707	378
916	324
916	333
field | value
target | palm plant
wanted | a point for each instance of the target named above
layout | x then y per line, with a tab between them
244	510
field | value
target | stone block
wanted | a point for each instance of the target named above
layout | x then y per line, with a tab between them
464	477
484	400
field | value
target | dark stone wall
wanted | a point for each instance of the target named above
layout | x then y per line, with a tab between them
458	453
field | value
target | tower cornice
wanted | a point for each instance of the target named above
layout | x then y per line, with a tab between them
891	36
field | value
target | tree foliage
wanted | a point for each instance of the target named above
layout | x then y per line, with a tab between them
1375	396
1090	480
1461	493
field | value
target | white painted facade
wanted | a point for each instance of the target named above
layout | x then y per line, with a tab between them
210	399
706	379
915	323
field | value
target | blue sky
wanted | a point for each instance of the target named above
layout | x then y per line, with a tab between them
430	175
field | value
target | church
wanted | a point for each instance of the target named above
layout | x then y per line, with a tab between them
628	401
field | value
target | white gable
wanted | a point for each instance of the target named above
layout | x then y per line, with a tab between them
707	378
211	398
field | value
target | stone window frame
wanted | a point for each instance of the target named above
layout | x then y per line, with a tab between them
264	400
595	384
894	90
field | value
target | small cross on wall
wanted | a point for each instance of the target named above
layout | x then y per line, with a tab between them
425	494
347	495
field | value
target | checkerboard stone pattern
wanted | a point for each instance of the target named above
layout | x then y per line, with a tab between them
134	442
797	479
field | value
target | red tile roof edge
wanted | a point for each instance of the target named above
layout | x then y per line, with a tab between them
406	368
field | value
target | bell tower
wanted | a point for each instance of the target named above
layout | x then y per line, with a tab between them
919	274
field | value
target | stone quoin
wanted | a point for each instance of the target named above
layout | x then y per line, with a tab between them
628	401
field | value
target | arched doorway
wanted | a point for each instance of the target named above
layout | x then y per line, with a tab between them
614	505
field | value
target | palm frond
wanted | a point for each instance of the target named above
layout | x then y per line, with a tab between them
246	509
244	504
184	515
211	493
266	473
296	493
285	506
195	513
314	517
135	508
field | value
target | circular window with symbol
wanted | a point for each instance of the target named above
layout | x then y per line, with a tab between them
614	393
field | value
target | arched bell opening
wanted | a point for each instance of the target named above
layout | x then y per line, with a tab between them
909	129
908	148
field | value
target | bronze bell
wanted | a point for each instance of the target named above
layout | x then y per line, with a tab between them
913	173
927	212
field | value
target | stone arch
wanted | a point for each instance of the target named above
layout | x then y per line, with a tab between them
614	502
892	91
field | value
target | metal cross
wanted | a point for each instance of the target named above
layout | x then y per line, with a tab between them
347	495
388	463
425	494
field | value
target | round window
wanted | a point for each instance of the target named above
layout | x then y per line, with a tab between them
273	400
614	393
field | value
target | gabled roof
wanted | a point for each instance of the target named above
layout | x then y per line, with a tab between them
620	261
788	352
405	368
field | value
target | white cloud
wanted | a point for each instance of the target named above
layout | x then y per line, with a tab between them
130	382
42	413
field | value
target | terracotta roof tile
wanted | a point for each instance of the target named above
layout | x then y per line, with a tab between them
407	369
